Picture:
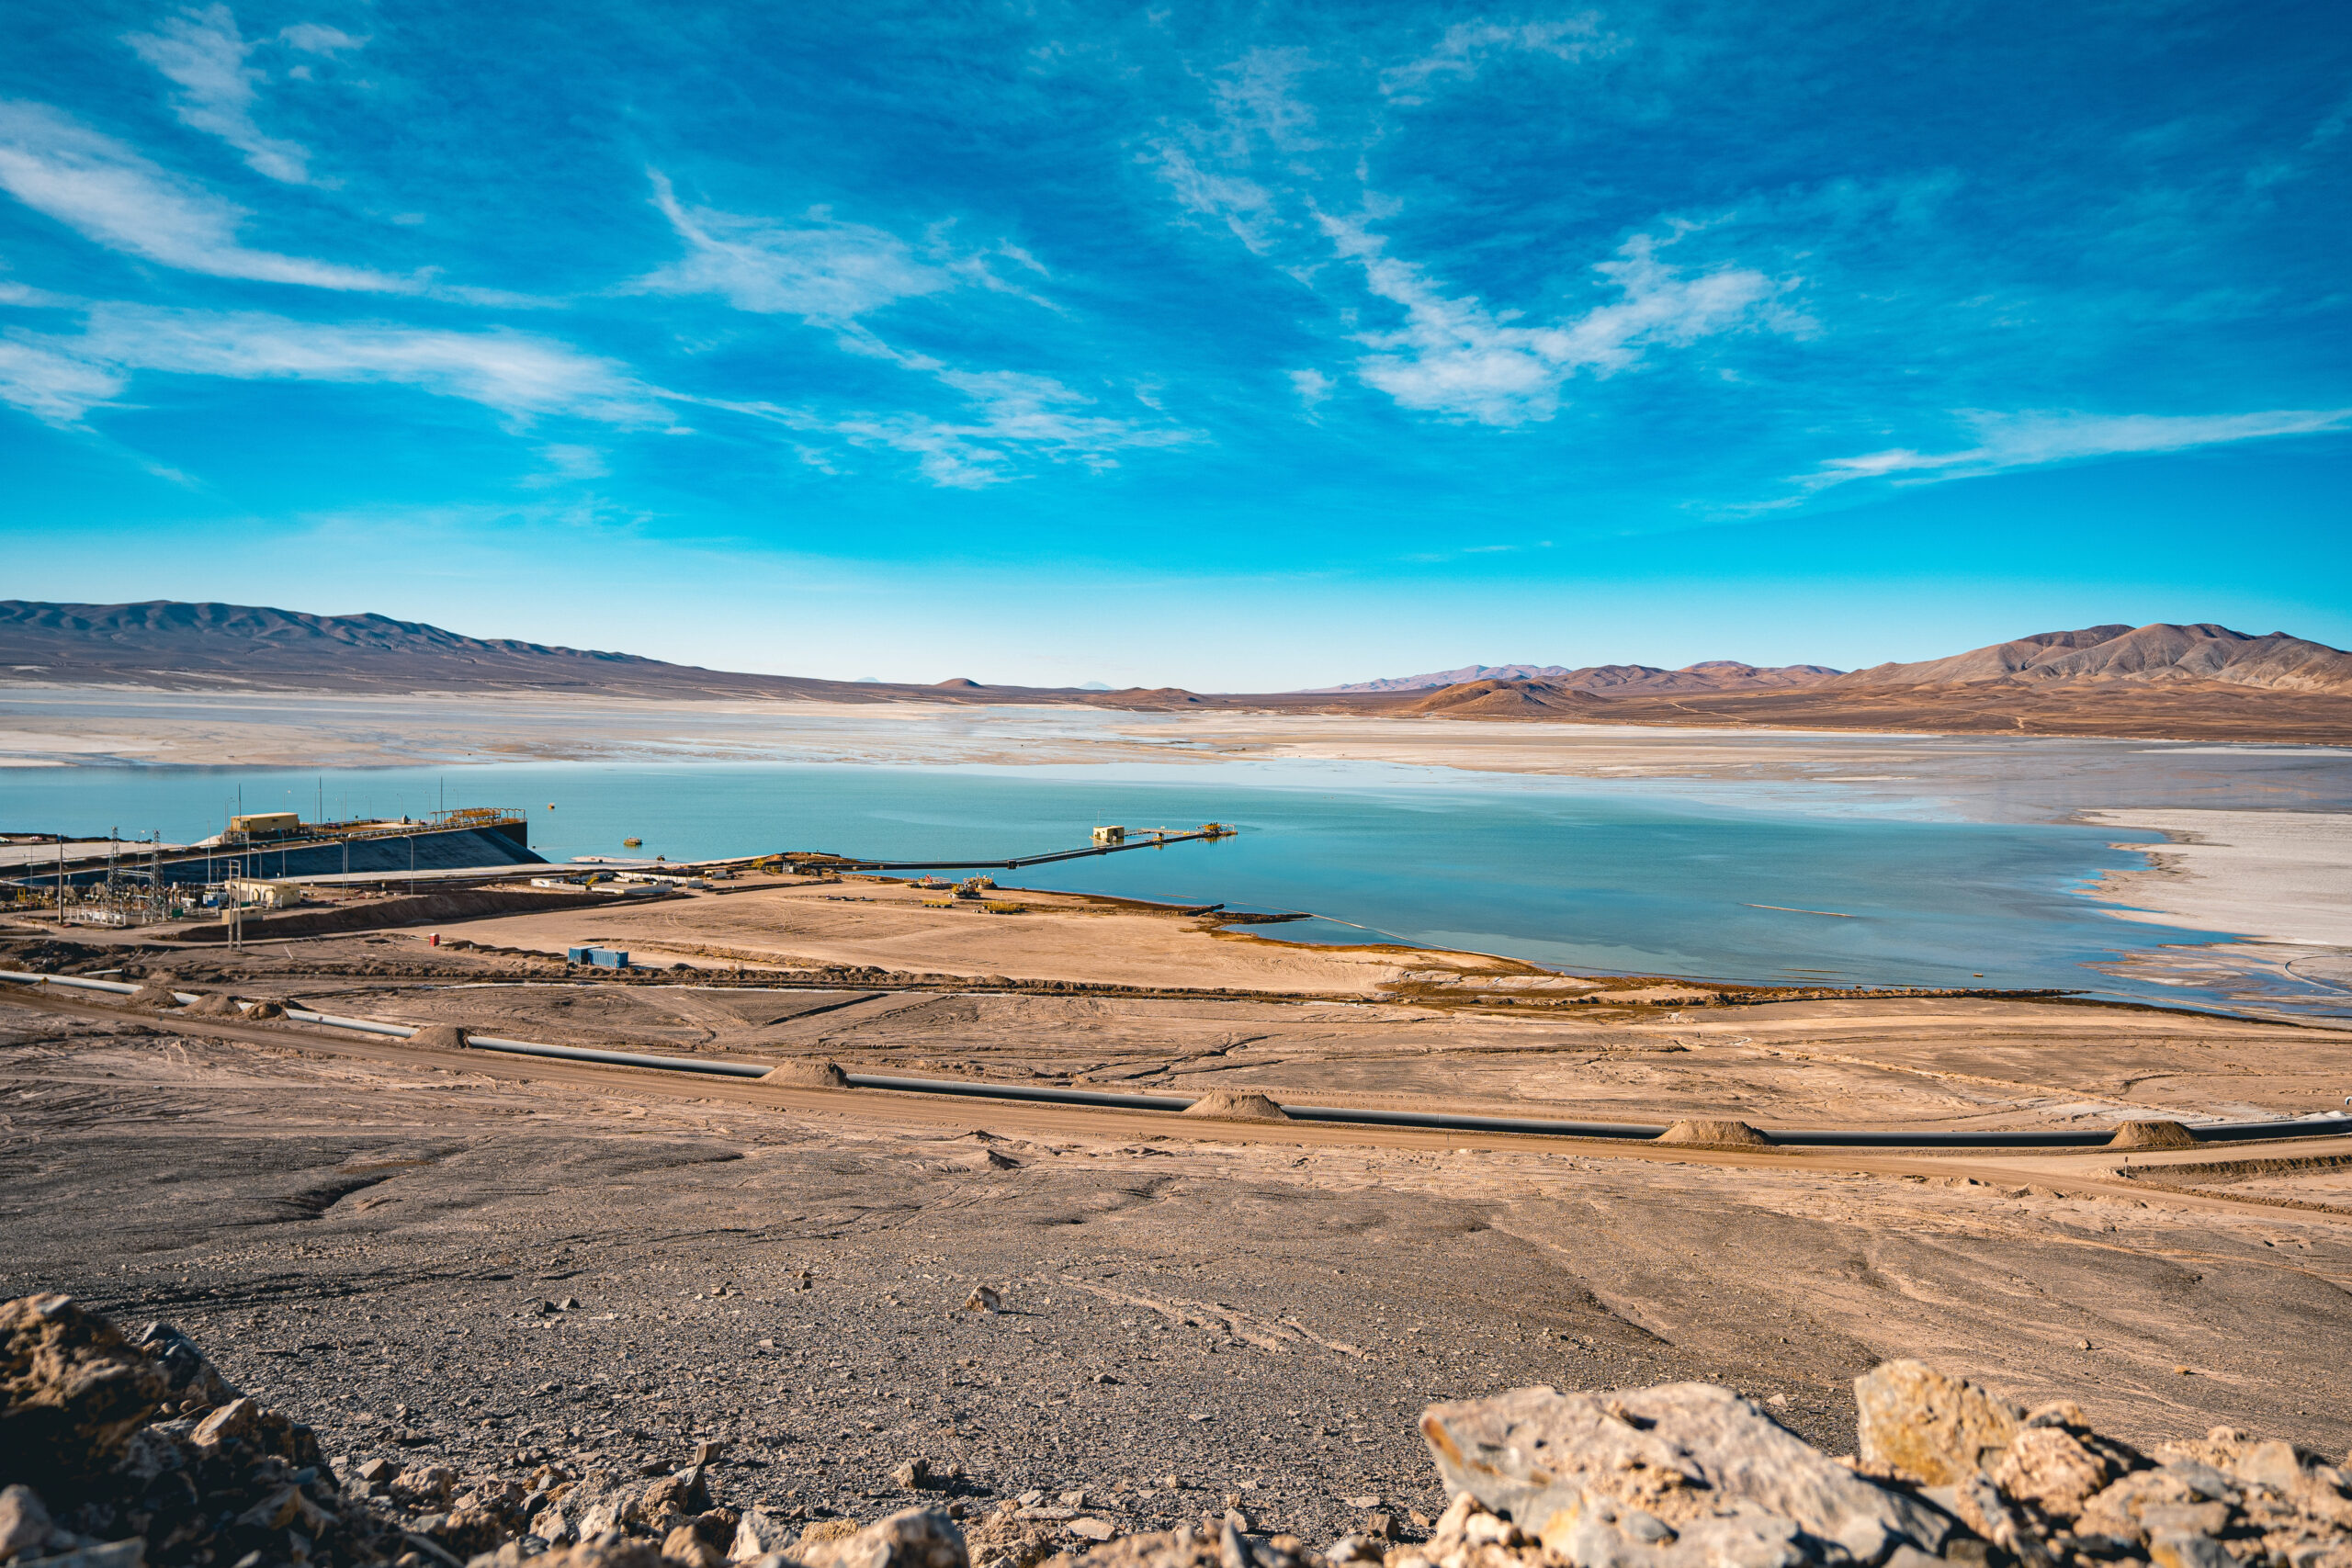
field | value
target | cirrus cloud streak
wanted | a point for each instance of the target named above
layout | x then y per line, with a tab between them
106	192
2032	438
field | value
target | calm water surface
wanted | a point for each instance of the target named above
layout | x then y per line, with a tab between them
1745	884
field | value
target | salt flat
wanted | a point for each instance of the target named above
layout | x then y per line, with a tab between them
2281	876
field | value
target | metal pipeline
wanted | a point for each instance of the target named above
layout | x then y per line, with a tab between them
619	1058
1047	1094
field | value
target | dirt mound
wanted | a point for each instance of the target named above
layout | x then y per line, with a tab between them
2151	1135
1714	1136
417	909
151	995
441	1037
215	1005
806	1074
1237	1105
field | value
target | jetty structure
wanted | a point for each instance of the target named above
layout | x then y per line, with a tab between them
270	860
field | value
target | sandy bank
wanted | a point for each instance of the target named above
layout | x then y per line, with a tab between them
892	926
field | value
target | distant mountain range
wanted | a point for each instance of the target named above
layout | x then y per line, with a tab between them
231	647
1712	675
2192	681
2160	653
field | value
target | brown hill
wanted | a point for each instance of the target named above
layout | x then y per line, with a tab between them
2159	652
1499	699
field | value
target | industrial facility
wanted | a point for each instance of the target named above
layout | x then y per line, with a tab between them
276	870
257	864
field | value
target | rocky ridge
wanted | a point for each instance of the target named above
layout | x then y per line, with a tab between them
2158	653
117	1451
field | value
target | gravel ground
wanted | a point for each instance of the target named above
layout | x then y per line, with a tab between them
434	1266
498	1278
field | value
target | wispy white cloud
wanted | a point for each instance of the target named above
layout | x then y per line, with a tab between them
27	296
1241	204
1468	45
61	377
316	37
831	275
1259	93
204	55
566	462
1261	163
1312	387
1455	356
2030	438
57	387
1009	418
827	272
107	193
1208	165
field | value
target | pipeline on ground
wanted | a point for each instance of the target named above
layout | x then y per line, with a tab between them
2332	1124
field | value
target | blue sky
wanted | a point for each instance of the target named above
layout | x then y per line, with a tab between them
1225	346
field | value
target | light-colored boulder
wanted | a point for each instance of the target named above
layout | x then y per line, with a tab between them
24	1522
913	1537
1680	1453
758	1534
1920	1426
2046	1467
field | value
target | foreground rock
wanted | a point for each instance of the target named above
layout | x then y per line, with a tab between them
1688	1475
123	1452
1682	1473
113	1452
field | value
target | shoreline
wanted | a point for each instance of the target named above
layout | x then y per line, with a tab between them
2279	877
46	725
2197	879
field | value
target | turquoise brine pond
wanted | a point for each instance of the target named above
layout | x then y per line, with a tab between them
1755	885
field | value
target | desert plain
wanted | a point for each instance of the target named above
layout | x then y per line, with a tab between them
500	1262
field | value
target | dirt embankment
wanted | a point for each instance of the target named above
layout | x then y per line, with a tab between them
412	910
